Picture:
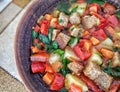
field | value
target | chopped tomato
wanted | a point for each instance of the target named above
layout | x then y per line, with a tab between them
99	34
58	82
82	49
75	88
44	27
42	57
115	87
113	20
90	83
103	23
49	68
96	14
37	67
37	28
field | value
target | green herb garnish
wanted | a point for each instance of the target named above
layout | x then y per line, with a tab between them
115	49
96	1
61	21
44	39
63	7
115	72
63	90
34	34
50	33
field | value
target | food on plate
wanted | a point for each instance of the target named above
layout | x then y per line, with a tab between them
76	47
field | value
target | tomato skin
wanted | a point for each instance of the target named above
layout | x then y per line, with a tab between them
44	27
75	88
113	20
58	82
114	87
37	67
103	23
99	34
90	83
82	49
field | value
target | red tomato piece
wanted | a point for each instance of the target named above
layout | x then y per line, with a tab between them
37	28
99	34
90	83
75	88
103	23
58	82
44	27
37	67
82	49
114	87
113	20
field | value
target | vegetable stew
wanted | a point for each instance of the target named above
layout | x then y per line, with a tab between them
76	47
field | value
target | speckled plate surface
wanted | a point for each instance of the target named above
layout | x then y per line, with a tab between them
33	82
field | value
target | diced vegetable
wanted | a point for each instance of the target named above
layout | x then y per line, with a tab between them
82	49
54	57
113	20
49	68
94	40
54	22
69	53
37	67
96	1
70	79
58	82
116	60
99	34
107	53
48	17
48	78
73	41
75	88
44	27
95	57
81	8
55	33
42	57
107	43
56	66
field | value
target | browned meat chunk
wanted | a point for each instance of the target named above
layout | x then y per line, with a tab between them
63	19
90	21
75	67
62	40
94	72
75	18
104	81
